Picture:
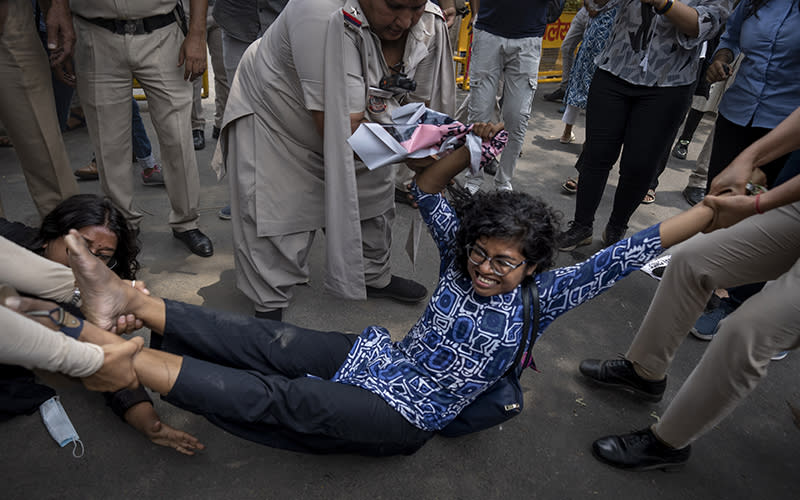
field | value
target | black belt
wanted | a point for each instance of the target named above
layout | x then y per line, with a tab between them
134	26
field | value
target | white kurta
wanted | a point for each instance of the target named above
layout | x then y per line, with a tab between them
302	182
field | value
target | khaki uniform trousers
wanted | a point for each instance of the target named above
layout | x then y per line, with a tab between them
267	268
28	110
759	248
105	64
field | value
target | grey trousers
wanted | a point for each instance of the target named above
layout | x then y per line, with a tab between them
516	60
569	46
699	176
221	83
760	248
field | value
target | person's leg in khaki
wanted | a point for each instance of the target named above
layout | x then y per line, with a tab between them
28	111
734	364
104	85
761	247
376	237
169	99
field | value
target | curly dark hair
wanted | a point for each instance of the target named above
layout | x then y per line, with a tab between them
84	210
508	215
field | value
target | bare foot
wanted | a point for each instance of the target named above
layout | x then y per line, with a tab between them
104	295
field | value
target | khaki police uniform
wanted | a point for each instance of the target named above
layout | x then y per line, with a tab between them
28	111
105	63
286	182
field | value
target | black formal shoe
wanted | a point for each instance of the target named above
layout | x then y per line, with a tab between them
619	373
197	242
274	315
612	234
640	450
199	138
215	133
555	96
401	196
693	195
399	289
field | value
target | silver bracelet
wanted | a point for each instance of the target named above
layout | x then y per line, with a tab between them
76	297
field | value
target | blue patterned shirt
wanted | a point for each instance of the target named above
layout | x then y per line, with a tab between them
464	342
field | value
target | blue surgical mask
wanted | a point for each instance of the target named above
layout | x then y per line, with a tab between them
59	425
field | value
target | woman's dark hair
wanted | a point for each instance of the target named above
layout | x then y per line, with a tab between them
84	210
510	216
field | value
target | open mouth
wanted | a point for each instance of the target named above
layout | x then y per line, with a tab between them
482	281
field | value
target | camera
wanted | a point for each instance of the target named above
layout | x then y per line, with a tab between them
398	83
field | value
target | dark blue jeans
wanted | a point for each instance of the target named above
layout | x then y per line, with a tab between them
269	382
141	143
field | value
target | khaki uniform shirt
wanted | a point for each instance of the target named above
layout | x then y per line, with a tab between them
303	182
121	9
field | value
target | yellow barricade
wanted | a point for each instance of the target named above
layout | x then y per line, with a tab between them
139	96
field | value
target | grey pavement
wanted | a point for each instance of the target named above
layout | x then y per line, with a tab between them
543	453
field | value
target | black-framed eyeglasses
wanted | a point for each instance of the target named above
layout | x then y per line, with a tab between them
108	260
498	265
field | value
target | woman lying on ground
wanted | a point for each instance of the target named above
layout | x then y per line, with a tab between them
323	392
109	238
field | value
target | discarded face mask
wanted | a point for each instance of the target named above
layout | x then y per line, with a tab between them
59	425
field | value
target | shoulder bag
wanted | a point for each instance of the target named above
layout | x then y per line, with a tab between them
503	399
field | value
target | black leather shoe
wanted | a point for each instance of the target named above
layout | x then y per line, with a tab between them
640	450
274	315
613	234
399	289
197	242
619	373
555	96
215	133
401	196
693	195
199	138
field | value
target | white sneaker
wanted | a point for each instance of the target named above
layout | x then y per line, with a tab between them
506	186
780	355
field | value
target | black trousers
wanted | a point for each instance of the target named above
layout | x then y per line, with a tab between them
731	139
645	120
268	382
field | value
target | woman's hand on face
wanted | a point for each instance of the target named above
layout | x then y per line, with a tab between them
487	130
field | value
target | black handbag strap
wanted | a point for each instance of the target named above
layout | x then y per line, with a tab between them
530	294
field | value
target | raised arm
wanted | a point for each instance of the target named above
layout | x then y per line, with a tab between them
435	177
681	15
